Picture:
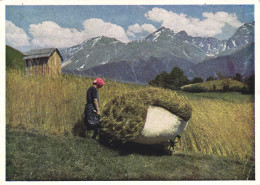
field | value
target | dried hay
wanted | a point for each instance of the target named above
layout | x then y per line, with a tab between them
124	116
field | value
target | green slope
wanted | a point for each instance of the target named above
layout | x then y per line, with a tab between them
218	84
31	156
14	59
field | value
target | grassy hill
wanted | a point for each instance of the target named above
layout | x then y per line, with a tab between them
14	59
217	85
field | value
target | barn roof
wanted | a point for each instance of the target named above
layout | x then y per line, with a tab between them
40	53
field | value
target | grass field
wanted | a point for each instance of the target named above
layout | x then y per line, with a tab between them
220	132
227	96
37	157
208	85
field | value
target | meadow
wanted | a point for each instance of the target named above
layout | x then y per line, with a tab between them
209	85
32	156
54	105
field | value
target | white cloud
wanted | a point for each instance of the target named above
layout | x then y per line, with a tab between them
15	36
223	17
50	34
148	28
97	27
210	26
136	28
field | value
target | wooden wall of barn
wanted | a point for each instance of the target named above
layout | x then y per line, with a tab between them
54	64
36	66
45	66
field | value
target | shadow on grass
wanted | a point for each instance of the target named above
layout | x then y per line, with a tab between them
79	129
127	148
123	148
141	149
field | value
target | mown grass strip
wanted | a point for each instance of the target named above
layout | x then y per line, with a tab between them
35	157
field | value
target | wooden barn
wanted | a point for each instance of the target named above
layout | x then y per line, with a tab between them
43	62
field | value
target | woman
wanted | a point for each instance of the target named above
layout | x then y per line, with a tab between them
92	111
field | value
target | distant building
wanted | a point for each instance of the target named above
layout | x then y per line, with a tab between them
43	62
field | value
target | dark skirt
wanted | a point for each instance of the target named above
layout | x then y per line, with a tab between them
91	119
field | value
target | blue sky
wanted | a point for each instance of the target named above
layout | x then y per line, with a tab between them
59	26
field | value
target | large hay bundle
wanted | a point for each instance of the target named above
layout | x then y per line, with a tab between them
124	116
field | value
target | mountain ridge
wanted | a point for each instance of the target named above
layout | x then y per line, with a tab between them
163	44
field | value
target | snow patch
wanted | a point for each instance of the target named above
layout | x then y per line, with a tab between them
114	42
66	63
209	47
80	48
234	42
210	54
184	52
81	67
95	41
105	62
155	36
201	44
225	46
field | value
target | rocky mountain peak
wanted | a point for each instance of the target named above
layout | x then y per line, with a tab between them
247	28
163	31
182	34
244	35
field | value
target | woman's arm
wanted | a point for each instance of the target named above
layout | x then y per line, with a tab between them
96	105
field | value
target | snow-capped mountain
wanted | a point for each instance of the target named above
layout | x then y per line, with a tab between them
158	52
69	52
214	47
241	61
159	34
211	46
245	35
160	44
103	50
93	52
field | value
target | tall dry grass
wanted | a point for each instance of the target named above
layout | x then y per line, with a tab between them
52	104
221	127
55	104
